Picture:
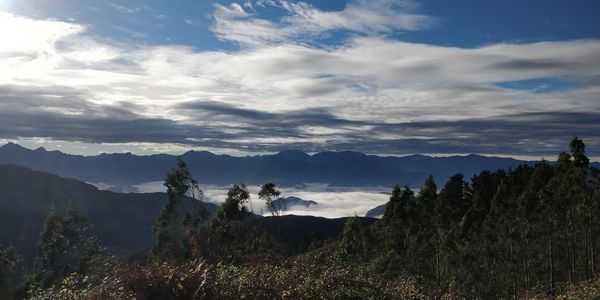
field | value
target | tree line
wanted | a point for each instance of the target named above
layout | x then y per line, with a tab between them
506	234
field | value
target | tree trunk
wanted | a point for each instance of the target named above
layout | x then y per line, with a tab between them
527	278
551	264
511	260
572	246
590	244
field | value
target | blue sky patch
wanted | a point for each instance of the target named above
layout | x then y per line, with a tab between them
539	85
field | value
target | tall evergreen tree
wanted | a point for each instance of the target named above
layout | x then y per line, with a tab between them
578	153
423	253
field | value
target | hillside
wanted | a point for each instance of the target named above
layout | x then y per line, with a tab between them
289	230
123	222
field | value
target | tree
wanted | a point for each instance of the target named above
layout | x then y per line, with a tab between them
578	153
65	245
424	252
456	194
225	235
50	247
179	220
270	194
395	206
77	231
9	265
234	207
353	239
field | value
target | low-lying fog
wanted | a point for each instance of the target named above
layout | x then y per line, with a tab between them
333	202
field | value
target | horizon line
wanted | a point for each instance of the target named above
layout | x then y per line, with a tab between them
524	158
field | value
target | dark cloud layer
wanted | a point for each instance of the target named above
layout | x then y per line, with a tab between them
41	113
533	64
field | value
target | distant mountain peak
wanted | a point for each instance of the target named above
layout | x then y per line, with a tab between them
13	146
293	201
194	152
292	153
376	212
342	154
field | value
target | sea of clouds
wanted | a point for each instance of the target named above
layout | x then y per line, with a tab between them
333	201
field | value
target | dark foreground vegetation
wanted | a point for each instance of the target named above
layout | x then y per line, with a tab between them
530	232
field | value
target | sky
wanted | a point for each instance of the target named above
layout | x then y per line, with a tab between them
507	78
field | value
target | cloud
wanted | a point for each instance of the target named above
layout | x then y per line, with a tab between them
303	21
192	22
126	9
370	94
41	35
332	202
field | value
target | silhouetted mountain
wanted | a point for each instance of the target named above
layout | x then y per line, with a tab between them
290	202
122	222
376	212
289	167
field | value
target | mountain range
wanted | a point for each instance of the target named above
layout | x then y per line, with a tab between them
286	168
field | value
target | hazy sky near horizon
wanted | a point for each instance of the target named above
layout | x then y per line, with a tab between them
517	78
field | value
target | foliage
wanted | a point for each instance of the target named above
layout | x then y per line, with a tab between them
307	277
65	245
10	263
269	193
235	206
353	242
508	234
180	219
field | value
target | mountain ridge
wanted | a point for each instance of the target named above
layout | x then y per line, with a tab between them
287	168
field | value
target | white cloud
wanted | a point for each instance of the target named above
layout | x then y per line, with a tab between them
368	79
126	9
333	202
25	35
232	23
303	20
192	22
